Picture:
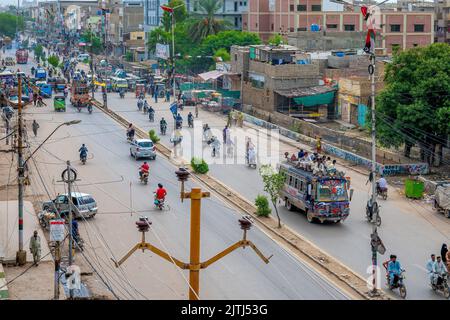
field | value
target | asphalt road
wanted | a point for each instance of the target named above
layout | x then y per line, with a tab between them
410	229
111	176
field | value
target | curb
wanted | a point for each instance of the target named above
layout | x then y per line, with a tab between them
4	293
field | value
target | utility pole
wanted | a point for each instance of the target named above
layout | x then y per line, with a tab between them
57	264
21	255
69	175
173	54
195	265
376	243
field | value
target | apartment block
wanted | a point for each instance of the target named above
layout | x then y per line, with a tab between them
399	29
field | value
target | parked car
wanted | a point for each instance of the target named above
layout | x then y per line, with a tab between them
84	204
143	148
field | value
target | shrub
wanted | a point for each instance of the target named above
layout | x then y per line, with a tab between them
153	136
262	205
199	165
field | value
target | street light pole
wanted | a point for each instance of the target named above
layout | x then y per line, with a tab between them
173	54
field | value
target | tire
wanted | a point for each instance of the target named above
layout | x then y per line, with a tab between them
43	223
309	217
385	196
402	290
154	158
378	222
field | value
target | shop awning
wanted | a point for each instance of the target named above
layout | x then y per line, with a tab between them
310	96
211	75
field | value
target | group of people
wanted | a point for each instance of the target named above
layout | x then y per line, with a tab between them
315	162
236	118
438	266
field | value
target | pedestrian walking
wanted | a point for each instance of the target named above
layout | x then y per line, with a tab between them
319	145
224	134
229	120
156	95
35	247
167	95
35	127
240	119
35	98
196	110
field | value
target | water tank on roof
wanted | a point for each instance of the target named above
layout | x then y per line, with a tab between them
315	27
340	54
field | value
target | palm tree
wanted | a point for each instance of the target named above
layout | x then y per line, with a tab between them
205	23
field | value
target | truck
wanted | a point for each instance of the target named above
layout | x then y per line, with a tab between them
22	56
79	91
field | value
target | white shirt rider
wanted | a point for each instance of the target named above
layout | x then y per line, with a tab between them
382	183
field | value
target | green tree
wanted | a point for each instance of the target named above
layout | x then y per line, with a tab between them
223	54
89	37
205	23
414	107
273	183
276	40
262	206
180	14
39	51
53	60
129	56
8	24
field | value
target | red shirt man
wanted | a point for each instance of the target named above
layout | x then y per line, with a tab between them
160	192
145	167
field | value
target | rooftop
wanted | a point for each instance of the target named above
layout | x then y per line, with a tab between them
303	92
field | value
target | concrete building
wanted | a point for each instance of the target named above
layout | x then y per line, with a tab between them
399	29
231	11
442	21
281	79
153	13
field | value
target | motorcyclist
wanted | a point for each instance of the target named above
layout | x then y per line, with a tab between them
145	106
215	145
130	131
163	125
83	151
190	119
381	184
89	107
139	104
160	193
439	270
151	114
144	169
394	270
179	121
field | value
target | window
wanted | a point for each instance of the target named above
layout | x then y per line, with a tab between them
301	7
302	29
291	7
415	44
349	27
331	26
419	28
235	6
291	29
271	26
395	28
316	7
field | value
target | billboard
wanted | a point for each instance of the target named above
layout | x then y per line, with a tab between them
162	51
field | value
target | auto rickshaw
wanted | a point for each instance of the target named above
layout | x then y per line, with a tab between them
140	89
59	103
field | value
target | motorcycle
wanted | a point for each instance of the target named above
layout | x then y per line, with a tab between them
45	217
441	285
159	204
122	94
78	242
144	177
375	210
79	108
382	192
178	124
151	117
163	130
89	109
398	284
83	158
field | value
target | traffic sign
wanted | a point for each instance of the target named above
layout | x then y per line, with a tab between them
57	230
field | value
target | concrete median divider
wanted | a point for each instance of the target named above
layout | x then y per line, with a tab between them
344	277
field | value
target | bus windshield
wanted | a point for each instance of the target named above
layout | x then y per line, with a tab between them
332	190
